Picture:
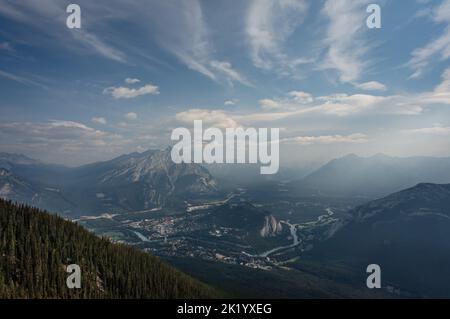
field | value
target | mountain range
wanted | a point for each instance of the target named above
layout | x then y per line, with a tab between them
136	181
373	177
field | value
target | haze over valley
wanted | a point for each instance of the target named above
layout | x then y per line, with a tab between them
305	226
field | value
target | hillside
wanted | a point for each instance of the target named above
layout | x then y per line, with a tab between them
36	247
406	233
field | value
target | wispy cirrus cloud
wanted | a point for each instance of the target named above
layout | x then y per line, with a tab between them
344	41
59	140
435	130
444	86
438	48
326	139
269	24
189	39
231	74
100	47
48	17
371	86
21	79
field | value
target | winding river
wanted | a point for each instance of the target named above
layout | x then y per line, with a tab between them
295	241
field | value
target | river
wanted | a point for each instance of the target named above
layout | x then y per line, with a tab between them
295	241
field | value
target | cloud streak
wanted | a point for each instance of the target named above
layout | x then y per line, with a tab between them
269	24
20	79
131	93
98	120
438	48
48	17
58	140
436	130
213	118
326	139
344	41
189	40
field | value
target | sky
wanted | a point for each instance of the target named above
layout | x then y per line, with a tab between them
136	70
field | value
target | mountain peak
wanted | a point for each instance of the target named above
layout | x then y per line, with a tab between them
349	156
381	156
376	176
18	159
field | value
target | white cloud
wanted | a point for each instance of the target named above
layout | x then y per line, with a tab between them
269	24
213	118
344	42
327	139
436	130
232	75
444	86
56	140
131	116
57	135
442	12
127	93
371	86
269	104
98	120
436	49
132	80
230	102
440	94
293	101
343	105
301	97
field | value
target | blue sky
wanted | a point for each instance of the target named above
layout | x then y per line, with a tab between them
138	69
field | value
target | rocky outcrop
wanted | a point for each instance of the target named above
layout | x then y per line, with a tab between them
271	227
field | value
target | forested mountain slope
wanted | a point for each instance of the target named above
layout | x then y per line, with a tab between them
36	247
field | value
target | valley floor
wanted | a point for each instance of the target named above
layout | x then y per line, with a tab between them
249	265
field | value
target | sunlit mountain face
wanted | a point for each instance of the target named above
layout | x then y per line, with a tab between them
263	148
